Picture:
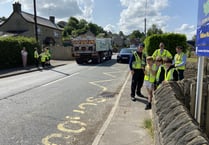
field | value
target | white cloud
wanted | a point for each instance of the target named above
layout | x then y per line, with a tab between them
133	15
189	30
110	28
61	9
186	27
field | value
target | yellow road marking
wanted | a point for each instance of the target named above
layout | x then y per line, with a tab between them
62	127
81	106
97	100
111	73
79	111
46	141
72	118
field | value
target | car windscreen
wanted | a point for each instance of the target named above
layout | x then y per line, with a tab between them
126	50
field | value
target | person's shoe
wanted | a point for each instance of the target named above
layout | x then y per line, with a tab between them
141	95
148	106
133	99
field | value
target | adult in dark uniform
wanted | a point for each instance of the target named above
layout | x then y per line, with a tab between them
137	64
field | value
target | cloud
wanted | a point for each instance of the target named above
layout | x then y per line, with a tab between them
61	9
110	28
189	30
134	12
186	27
4	1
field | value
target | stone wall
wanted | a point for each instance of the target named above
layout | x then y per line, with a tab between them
173	122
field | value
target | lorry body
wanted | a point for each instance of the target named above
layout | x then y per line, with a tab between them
91	49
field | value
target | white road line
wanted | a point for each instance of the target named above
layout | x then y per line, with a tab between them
59	80
107	122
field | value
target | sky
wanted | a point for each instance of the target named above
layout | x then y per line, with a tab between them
173	16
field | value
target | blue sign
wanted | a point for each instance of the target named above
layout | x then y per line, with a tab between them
202	39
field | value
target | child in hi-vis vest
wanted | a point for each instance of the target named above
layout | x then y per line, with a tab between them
149	79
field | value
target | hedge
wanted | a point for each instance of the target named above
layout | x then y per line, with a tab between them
10	51
170	40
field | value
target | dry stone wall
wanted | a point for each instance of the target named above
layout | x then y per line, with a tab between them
173	122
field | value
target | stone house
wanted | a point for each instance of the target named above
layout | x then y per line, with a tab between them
23	24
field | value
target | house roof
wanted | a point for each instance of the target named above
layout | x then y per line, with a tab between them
40	20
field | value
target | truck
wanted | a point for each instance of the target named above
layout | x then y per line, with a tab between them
88	48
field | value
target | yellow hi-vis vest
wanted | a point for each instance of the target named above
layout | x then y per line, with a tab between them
169	75
158	72
178	59
43	56
36	54
165	54
48	54
137	64
148	75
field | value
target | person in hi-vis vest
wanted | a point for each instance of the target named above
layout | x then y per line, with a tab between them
136	64
160	71
149	79
162	52
180	61
171	74
36	57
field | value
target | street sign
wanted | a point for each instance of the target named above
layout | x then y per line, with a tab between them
202	39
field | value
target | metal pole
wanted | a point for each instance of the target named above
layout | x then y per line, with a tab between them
198	103
35	21
145	20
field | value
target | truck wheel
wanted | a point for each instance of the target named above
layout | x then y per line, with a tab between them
79	61
97	60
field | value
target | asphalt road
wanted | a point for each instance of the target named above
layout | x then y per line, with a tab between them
66	105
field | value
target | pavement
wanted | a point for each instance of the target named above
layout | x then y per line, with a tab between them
125	124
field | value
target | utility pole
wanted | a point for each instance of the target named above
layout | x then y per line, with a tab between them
35	20
145	20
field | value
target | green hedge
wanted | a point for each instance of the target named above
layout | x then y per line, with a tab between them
10	51
170	40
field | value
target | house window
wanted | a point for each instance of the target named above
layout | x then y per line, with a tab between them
56	34
39	30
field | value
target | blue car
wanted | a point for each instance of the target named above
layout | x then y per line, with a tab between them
125	54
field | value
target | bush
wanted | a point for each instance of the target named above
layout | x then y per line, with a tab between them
10	48
170	40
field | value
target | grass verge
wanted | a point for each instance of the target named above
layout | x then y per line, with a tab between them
149	126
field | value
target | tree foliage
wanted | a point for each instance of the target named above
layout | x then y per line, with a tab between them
154	30
76	27
3	19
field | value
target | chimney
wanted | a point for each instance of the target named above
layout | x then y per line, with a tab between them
52	19
17	7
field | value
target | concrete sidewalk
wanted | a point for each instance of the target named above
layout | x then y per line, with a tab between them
125	124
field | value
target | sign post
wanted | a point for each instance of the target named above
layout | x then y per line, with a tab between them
202	49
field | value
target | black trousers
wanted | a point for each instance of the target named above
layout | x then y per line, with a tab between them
181	74
36	62
137	82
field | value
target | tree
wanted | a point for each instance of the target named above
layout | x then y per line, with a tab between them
136	37
3	19
154	30
77	27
